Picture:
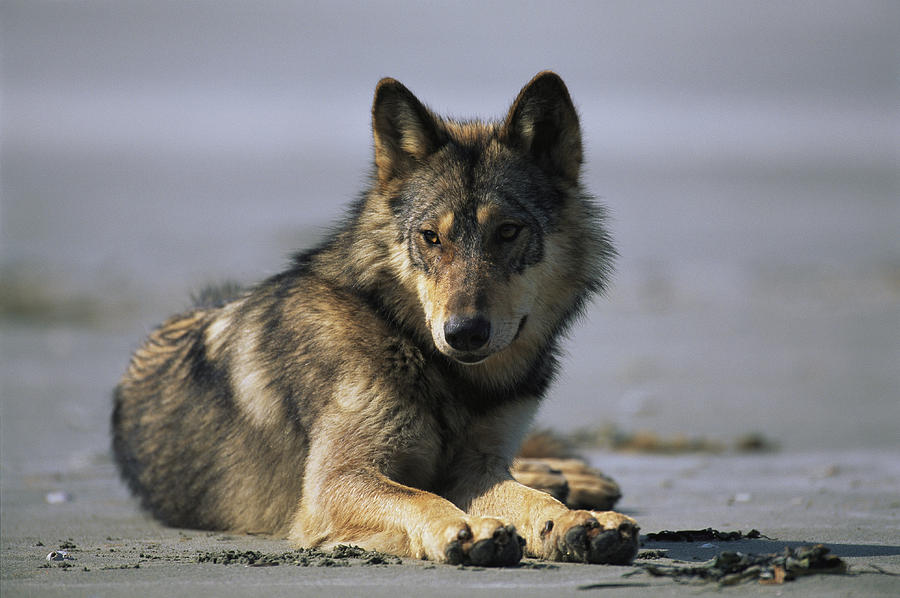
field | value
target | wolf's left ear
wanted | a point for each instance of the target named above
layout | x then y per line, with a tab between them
405	131
543	122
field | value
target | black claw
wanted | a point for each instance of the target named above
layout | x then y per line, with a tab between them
548	527
511	552
497	551
576	544
604	544
611	547
482	552
454	553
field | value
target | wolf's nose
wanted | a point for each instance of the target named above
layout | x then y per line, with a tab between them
467	334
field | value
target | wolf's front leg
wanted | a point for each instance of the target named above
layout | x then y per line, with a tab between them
366	509
551	530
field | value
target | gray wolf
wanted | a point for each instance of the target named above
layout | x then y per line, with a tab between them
375	392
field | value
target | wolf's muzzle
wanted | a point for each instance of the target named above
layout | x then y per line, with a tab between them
467	334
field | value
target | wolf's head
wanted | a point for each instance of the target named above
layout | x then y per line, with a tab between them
489	224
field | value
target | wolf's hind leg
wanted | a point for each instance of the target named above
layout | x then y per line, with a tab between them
571	481
548	461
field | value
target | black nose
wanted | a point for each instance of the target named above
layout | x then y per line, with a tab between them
467	334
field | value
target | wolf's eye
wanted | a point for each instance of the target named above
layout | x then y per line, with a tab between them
431	237
508	232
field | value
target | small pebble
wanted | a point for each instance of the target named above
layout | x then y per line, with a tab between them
58	555
58	497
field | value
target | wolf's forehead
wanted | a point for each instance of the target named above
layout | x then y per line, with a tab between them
471	131
479	173
476	182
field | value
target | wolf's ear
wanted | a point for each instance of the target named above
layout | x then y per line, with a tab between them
543	122
405	131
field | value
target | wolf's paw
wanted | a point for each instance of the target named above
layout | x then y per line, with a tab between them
481	541
591	537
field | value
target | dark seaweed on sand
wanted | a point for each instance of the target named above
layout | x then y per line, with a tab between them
339	556
730	568
702	535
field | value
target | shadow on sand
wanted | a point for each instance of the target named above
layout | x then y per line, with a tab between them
692	551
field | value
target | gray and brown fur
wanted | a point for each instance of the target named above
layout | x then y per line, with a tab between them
376	392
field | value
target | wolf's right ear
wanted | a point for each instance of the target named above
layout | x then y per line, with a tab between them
542	122
405	131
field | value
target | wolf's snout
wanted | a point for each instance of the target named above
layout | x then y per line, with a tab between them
467	334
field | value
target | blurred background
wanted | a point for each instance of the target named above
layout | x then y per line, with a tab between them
747	151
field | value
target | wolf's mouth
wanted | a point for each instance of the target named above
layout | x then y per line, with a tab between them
470	359
521	326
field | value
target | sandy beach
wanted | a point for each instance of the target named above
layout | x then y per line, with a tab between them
846	500
747	153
